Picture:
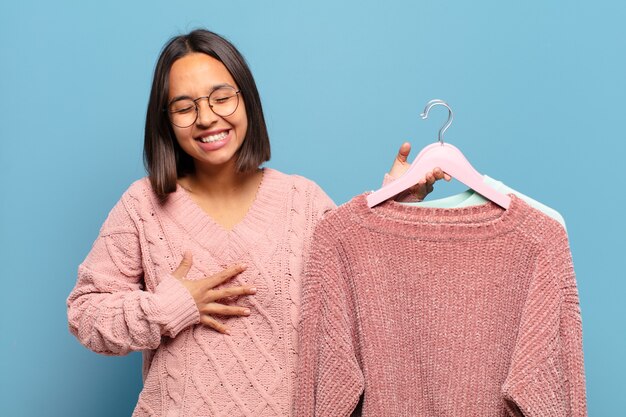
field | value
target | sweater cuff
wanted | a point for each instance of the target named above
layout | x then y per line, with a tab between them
177	308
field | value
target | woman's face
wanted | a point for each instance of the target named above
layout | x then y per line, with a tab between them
212	141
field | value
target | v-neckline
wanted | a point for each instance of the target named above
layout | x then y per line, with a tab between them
204	229
189	195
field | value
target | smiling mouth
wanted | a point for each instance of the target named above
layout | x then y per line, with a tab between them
213	138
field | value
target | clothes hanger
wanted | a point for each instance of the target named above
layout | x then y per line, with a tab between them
445	156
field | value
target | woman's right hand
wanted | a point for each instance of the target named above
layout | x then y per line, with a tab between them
205	296
425	186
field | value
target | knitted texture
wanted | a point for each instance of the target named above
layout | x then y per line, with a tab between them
126	299
440	312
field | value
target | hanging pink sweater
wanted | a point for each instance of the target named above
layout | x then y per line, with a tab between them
440	312
126	299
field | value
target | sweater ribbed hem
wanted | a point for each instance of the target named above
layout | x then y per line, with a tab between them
177	308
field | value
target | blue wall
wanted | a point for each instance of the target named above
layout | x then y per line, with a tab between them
538	90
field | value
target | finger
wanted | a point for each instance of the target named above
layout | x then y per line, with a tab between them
403	152
224	275
214	324
446	177
224	310
184	266
438	173
430	179
400	164
229	292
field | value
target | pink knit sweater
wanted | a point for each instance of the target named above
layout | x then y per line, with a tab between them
126	299
440	312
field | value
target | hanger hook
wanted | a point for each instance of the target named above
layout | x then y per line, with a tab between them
445	127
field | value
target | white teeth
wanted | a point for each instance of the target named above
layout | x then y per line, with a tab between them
214	138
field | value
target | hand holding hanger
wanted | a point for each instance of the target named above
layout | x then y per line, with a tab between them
422	188
445	156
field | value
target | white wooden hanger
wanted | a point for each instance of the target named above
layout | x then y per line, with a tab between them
445	156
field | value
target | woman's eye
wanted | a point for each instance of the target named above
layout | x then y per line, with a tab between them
184	110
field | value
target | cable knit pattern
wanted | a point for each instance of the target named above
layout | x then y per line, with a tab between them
127	300
419	311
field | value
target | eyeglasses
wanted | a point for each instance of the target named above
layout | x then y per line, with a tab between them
223	101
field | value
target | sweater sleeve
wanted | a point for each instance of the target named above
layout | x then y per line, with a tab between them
109	310
330	381
547	377
322	203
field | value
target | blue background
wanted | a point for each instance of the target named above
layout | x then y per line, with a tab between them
538	89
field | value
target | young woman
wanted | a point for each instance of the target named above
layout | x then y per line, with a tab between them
206	215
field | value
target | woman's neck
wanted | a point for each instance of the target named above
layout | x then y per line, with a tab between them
225	195
219	182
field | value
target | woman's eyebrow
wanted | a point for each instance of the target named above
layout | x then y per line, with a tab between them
215	87
178	98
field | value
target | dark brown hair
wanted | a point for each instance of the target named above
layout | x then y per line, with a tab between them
164	159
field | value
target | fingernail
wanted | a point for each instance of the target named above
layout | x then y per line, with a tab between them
227	331
253	290
246	311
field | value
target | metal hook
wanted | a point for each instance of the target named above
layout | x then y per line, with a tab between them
445	127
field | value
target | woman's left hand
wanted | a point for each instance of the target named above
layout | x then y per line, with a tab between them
420	190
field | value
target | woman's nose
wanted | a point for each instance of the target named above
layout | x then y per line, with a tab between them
205	115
